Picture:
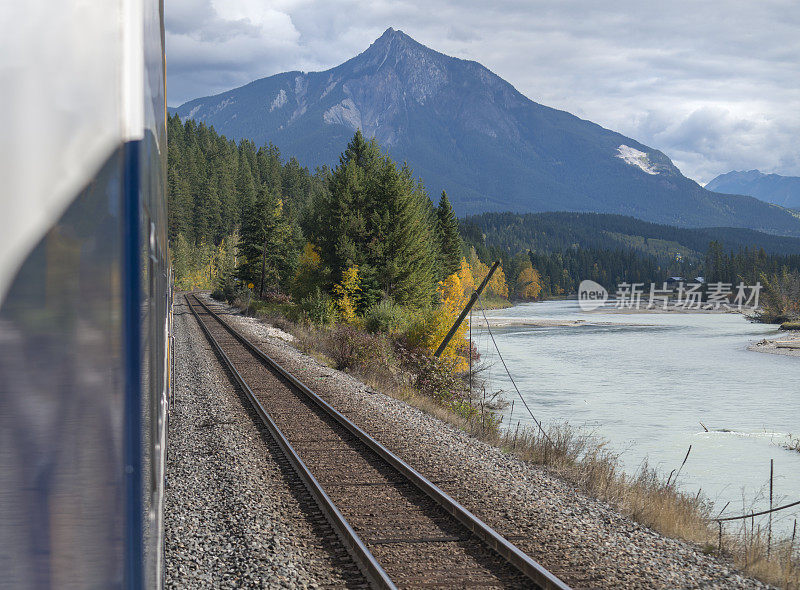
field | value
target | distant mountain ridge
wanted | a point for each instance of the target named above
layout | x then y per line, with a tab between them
464	129
772	188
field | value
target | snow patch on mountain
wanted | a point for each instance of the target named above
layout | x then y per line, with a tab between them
279	101
209	111
344	113
636	158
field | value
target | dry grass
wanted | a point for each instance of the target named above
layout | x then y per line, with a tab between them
780	565
646	497
586	461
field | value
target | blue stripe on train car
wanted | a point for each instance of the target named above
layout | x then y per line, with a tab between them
134	559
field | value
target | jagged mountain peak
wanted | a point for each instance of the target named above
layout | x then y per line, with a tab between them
396	54
395	42
389	36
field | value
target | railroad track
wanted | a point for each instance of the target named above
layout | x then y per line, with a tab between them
401	530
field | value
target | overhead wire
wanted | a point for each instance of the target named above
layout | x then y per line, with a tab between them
505	366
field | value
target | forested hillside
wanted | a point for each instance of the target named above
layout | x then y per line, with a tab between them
553	232
214	185
566	248
238	203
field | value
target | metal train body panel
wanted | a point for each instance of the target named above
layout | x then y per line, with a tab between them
85	296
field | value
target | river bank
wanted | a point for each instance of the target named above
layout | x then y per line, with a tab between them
788	344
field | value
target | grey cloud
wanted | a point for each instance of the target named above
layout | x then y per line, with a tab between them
712	84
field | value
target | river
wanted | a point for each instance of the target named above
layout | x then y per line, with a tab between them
645	382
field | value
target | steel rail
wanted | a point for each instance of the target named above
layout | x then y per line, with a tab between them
366	562
508	551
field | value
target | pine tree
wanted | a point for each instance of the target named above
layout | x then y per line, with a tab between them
411	252
374	216
262	242
245	185
448	238
340	230
207	217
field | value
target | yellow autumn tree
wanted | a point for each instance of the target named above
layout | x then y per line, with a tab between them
497	284
452	295
347	294
201	266
308	274
466	278
479	270
529	282
454	298
431	326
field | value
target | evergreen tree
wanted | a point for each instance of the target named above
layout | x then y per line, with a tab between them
207	214
267	245
448	238
375	217
258	224
411	252
340	231
245	185
715	262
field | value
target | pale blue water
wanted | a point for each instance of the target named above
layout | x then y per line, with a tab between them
646	388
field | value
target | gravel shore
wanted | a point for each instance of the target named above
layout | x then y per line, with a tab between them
582	540
773	346
235	517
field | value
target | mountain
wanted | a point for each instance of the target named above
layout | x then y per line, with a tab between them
772	188
464	129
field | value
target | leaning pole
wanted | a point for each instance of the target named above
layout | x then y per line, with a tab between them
466	309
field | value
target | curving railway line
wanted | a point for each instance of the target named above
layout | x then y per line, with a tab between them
400	529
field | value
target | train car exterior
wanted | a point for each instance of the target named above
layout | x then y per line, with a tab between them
85	294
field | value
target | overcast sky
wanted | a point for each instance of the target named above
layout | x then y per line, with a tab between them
713	84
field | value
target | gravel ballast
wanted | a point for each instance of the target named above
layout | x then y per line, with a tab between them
582	540
235	517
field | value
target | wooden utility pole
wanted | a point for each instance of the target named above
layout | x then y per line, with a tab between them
470	354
